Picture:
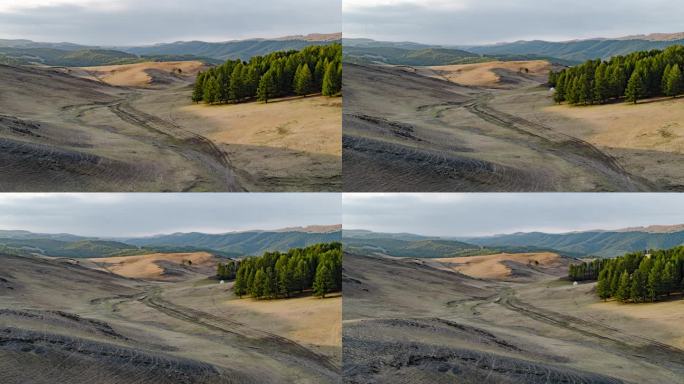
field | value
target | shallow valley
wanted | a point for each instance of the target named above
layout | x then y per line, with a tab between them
494	127
504	318
133	128
158	318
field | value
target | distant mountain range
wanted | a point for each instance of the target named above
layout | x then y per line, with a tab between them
597	243
69	54
234	244
564	52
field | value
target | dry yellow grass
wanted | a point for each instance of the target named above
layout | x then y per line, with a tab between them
657	125
147	267
663	319
306	320
492	266
311	124
485	74
143	74
297	139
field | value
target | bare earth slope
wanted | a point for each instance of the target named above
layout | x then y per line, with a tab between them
133	128
407	322
489	127
64	322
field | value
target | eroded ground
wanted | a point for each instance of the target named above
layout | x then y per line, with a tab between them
133	128
63	321
419	321
494	127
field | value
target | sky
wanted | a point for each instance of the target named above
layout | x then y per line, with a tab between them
139	22
142	214
473	22
482	214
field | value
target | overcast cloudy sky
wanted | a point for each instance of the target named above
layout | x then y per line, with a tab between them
135	22
487	214
135	214
465	22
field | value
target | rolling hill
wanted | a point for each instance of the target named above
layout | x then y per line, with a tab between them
403	56
16	52
576	50
233	244
84	57
241	49
419	249
591	243
75	249
242	243
597	243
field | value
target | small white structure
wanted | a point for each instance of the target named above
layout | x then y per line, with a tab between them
575	283
222	282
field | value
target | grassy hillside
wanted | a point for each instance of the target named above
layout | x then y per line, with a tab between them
231	50
419	57
76	249
243	243
84	57
575	51
602	244
416	248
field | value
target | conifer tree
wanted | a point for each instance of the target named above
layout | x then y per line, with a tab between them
198	89
212	91
240	286
636	87
332	80
602	287
303	82
284	278
638	291
237	85
260	284
323	282
674	81
622	293
267	87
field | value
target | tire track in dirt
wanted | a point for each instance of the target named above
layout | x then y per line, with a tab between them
197	149
154	300
654	352
579	152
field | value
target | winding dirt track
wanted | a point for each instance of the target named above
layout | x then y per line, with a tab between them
406	322
83	325
64	133
406	132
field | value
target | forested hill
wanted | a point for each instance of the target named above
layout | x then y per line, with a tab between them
228	244
593	243
578	50
231	50
244	243
576	244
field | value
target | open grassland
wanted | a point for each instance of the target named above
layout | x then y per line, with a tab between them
159	266
288	144
494	127
501	266
133	128
71	321
415	321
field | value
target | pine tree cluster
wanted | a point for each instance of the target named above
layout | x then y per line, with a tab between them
640	276
228	270
636	76
586	271
315	69
279	275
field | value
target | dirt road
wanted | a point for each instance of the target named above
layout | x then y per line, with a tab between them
407	130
